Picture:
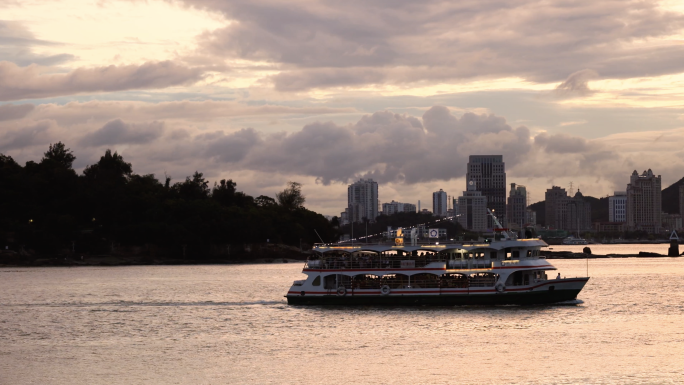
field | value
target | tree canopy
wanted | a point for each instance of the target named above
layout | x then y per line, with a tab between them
291	198
49	208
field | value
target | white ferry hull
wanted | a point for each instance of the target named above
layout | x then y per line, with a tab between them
551	291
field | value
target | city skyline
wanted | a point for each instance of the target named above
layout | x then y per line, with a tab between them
325	94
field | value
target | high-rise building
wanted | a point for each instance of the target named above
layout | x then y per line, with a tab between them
344	217
488	172
517	204
439	203
530	217
644	202
578	214
362	200
472	209
396	207
617	207
556	204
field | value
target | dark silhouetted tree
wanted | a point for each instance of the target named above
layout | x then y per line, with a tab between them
291	198
224	192
111	169
60	155
195	188
264	201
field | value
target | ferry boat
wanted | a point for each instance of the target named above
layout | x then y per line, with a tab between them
501	272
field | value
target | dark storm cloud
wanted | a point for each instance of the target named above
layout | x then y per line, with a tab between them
11	111
119	132
330	44
34	82
17	42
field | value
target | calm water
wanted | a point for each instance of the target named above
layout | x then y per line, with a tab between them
617	249
230	324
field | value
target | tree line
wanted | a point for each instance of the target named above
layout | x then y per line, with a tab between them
48	208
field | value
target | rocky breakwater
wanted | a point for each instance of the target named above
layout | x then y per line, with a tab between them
550	254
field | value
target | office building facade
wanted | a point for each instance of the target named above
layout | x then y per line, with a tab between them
397	207
617	207
362	200
439	203
644	202
556	206
488	172
516	207
472	209
578	214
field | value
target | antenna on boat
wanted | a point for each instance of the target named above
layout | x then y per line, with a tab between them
504	232
319	237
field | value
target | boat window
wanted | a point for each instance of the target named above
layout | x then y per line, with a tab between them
317	281
366	281
395	281
454	281
424	280
329	282
492	255
483	279
515	254
529	253
515	279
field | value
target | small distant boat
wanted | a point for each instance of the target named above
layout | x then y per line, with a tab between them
574	241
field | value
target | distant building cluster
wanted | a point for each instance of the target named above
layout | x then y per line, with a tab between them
639	207
483	199
484	202
396	207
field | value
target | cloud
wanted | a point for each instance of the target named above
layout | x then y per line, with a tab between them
338	44
119	132
17	43
11	111
561	143
26	136
232	147
388	147
36	82
577	84
196	111
326	77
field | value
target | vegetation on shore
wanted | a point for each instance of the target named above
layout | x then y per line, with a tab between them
49	210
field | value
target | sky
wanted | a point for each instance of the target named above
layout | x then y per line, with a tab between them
324	93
